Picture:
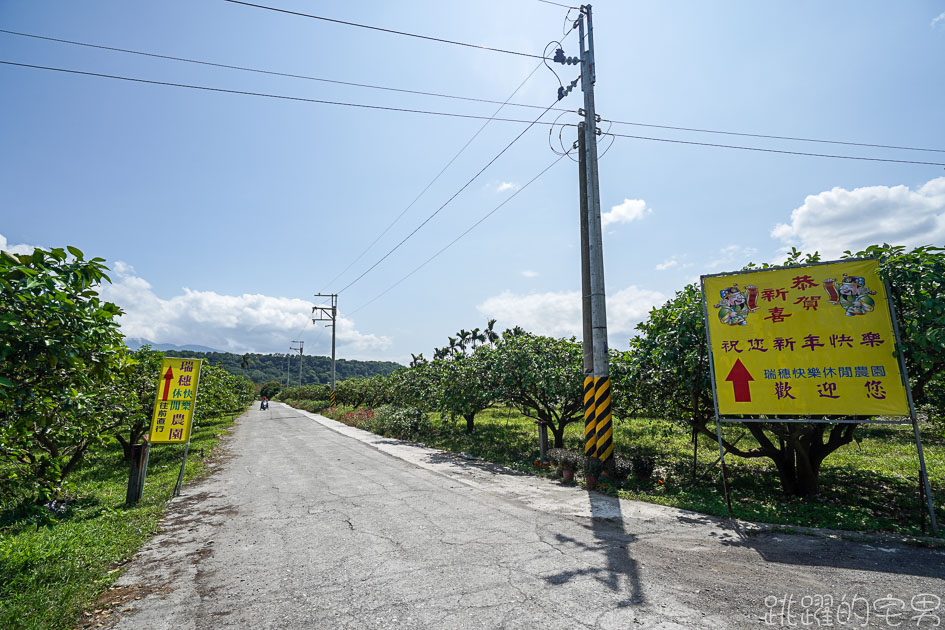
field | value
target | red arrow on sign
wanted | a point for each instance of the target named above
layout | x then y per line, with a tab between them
167	382
740	378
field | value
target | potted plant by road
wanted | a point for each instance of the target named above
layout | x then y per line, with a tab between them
568	461
592	471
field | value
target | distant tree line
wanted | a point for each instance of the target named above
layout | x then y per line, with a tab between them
262	368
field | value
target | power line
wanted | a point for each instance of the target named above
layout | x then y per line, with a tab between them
558	4
772	137
432	181
384	30
804	153
275	96
453	114
461	98
275	72
454	241
447	202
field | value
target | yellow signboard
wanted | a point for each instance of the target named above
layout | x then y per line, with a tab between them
810	340
174	403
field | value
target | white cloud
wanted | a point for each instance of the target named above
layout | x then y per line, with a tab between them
629	210
674	262
504	186
15	249
731	257
669	263
235	323
940	18
840	219
528	273
558	314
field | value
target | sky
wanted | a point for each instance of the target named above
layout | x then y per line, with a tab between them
222	214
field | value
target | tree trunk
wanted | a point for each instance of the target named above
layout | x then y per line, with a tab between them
787	470
470	417
558	433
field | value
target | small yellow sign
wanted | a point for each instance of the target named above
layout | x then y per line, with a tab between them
809	340
175	399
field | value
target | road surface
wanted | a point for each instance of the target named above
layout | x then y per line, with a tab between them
307	523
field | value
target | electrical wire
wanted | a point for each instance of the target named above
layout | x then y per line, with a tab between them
456	115
383	30
558	4
783	151
274	96
432	181
447	202
276	73
455	240
773	137
463	98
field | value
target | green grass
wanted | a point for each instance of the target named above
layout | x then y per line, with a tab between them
49	572
870	486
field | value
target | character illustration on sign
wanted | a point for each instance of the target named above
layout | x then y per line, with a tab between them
734	307
853	295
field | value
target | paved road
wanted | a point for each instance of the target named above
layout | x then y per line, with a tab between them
310	524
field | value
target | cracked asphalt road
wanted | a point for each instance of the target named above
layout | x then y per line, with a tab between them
311	524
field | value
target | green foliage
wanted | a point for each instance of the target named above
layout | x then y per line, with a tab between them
402	423
60	355
270	389
54	564
221	392
261	368
466	384
138	386
665	374
917	283
542	376
306	392
416	387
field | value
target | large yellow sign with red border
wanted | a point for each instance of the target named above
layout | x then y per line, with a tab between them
174	403
809	340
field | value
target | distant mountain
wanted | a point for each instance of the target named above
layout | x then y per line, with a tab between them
134	343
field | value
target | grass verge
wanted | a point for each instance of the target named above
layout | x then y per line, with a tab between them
868	486
50	572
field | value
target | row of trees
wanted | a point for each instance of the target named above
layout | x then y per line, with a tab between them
68	384
261	368
664	373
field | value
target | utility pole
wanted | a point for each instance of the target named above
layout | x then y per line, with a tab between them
590	427
287	355
298	395
603	426
328	314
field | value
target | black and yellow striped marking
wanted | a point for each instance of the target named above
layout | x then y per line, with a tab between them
605	427
590	427
331	397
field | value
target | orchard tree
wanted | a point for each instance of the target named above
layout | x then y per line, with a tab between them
140	386
542	376
60	355
466	385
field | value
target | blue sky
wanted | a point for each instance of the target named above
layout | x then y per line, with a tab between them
222	214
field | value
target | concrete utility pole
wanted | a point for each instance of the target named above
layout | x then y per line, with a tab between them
328	314
590	427
298	396
602	424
